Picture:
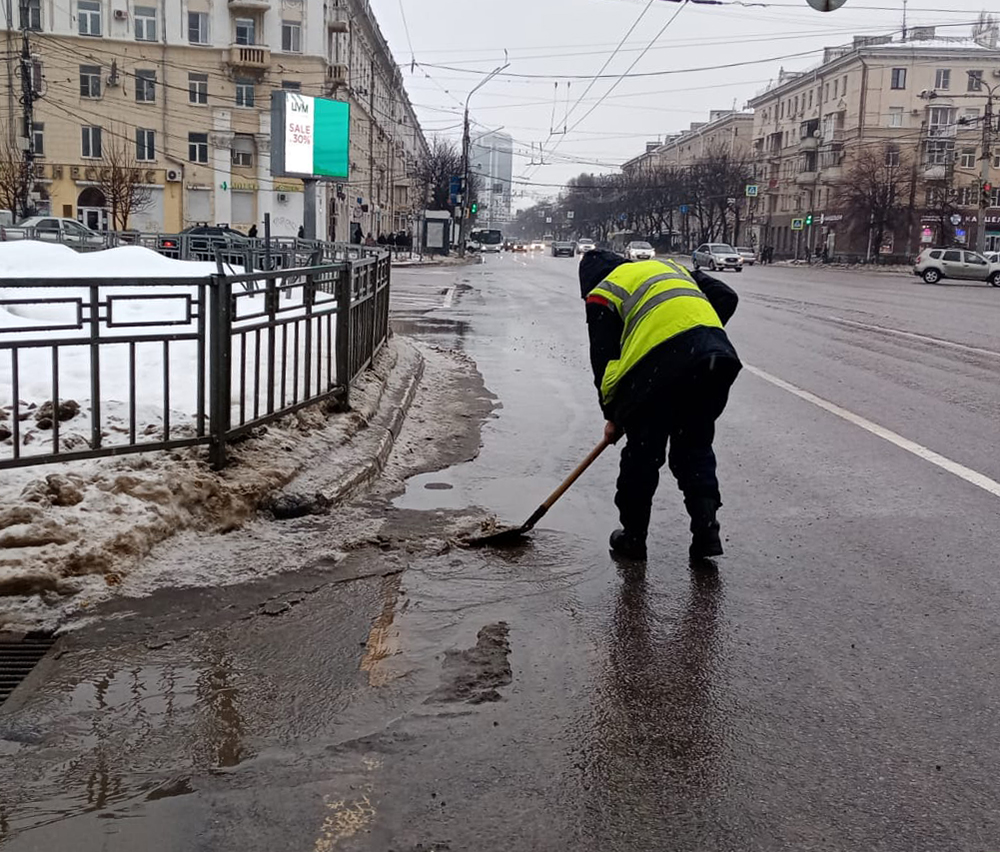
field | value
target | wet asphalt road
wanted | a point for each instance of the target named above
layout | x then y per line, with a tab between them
832	687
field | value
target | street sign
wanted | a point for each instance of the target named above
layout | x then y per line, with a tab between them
752	190
798	224
956	219
684	209
548	220
569	214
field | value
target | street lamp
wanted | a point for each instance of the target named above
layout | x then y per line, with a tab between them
465	153
984	171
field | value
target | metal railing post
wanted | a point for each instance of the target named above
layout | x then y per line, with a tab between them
95	369
220	372
343	343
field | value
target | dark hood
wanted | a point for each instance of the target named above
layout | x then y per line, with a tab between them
595	266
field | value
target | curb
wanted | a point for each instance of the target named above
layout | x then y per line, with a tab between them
366	472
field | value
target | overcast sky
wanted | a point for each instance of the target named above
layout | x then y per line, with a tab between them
566	42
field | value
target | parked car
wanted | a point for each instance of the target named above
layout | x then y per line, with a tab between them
219	231
639	250
561	248
748	254
53	229
717	256
933	264
585	245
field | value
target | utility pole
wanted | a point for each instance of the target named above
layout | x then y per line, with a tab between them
27	103
465	157
984	173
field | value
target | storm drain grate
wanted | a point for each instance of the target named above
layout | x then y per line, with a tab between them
18	658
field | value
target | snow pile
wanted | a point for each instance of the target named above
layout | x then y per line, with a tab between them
79	527
160	309
33	259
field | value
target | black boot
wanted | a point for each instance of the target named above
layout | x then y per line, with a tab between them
705	540
628	546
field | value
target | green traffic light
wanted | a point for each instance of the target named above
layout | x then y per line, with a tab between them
474	209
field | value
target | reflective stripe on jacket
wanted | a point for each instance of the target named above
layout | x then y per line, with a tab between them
656	300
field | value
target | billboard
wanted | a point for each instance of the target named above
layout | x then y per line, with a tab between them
310	137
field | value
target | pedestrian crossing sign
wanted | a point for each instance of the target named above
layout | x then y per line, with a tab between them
798	224
752	190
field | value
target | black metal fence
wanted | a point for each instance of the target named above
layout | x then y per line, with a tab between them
111	366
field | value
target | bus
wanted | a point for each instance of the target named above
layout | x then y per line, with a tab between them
488	239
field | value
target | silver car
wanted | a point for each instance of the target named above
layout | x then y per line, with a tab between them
748	254
717	256
934	264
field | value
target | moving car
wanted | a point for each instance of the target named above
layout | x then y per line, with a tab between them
717	256
933	264
53	229
639	250
748	254
584	245
537	245
518	245
565	248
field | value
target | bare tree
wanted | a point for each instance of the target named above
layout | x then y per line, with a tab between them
876	196
15	181
121	178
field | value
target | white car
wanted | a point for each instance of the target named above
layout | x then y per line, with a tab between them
537	245
717	256
54	229
585	245
639	250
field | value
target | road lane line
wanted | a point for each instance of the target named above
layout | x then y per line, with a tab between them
914	336
968	474
448	296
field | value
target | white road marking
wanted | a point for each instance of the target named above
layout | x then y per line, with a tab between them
914	336
448	297
971	476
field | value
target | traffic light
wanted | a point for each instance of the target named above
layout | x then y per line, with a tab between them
809	220
474	209
987	195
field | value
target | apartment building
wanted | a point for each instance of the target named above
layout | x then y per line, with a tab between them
725	130
918	100
183	87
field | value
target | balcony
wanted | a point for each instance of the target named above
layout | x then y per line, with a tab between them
809	143
934	171
834	137
942	131
259	5
806	178
833	174
255	56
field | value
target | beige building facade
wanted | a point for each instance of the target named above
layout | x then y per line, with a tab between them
725	130
184	87
913	101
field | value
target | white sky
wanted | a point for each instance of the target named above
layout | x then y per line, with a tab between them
576	37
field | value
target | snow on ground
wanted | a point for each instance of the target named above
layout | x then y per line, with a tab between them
73	531
159	304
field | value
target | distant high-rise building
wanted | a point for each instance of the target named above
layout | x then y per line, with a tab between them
491	160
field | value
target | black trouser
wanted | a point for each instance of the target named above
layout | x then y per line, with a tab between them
683	414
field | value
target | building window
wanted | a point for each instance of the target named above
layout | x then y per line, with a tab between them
895	116
996	161
88	15
33	19
971	115
810	99
291	85
995	197
37	79
242	151
892	156
826	92
965	196
975	81
145	23
940	152
843	86
244	93
246	31
38	139
198	88
968	158
291	36
942	79
145	145
145	87
198	27
91	142
899	78
90	81
198	147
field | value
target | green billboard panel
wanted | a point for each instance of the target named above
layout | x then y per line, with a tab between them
310	137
